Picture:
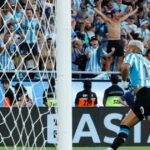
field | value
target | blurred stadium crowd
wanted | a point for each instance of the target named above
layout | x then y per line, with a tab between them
100	35
101	30
27	34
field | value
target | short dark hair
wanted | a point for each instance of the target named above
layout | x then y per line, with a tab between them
30	9
87	84
93	38
10	24
49	38
114	79
5	81
19	87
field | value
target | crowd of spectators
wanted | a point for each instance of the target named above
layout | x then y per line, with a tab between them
27	36
101	30
18	98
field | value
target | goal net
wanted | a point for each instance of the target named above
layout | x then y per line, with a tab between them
27	73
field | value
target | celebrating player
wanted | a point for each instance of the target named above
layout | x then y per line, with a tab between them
136	66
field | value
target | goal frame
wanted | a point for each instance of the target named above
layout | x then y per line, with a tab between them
63	66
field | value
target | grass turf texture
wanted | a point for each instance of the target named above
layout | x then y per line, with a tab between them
80	148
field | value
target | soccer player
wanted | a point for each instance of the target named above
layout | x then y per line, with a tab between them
136	67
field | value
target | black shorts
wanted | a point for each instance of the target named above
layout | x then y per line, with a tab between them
26	49
142	103
118	45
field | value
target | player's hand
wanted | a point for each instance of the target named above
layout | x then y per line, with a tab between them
106	8
137	8
125	85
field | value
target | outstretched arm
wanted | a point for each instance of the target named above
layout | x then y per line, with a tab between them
125	71
129	14
110	53
128	33
102	15
123	102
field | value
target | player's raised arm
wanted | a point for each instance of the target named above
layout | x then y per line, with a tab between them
129	14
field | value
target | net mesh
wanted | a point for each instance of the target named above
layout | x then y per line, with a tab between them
27	72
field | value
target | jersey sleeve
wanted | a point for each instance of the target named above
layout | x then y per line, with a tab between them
87	50
147	68
102	52
2	44
129	59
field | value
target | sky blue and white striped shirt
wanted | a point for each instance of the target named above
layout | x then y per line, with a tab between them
93	64
138	70
147	67
6	61
29	29
17	17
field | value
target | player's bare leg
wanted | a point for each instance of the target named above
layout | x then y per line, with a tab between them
130	120
109	63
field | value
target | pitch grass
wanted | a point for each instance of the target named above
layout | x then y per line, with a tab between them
80	148
122	148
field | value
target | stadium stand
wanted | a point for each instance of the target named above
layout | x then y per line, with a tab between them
27	36
22	43
87	23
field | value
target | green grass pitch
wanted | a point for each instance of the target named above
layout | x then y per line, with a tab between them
121	148
80	148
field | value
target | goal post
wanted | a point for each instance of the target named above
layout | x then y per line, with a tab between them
63	84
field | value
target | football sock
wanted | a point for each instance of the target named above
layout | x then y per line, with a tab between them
121	138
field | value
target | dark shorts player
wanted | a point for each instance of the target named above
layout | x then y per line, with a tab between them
142	103
140	85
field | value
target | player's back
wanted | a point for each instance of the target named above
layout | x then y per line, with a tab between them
138	70
147	67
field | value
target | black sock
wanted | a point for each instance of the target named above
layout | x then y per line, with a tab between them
121	138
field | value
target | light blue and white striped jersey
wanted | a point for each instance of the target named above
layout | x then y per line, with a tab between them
143	33
77	4
93	64
138	70
13	48
29	29
17	17
147	67
6	62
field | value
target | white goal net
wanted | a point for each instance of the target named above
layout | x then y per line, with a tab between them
27	72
